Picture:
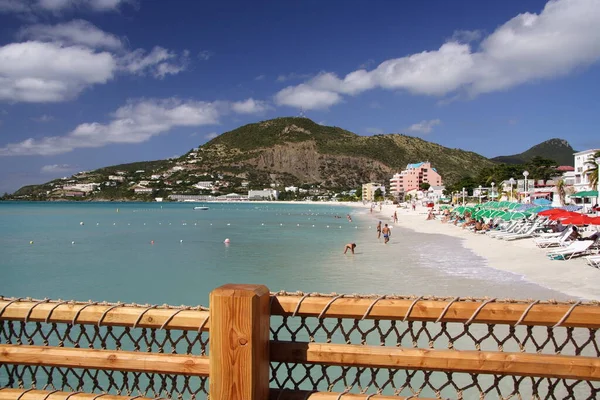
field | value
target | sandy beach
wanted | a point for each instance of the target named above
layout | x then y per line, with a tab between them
572	277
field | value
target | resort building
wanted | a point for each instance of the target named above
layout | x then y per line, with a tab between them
141	189
369	189
265	194
413	176
582	159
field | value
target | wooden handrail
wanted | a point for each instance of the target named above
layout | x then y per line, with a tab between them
279	394
544	314
130	361
119	316
24	394
480	362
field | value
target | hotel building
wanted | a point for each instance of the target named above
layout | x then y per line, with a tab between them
413	176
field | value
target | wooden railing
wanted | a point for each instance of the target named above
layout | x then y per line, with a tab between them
254	345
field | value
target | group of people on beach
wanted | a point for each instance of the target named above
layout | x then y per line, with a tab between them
384	230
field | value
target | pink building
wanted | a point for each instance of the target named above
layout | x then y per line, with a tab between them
412	177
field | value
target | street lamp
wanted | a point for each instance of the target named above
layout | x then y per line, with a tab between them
463	193
512	182
479	194
492	196
525	175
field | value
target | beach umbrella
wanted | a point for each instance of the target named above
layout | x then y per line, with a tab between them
563	215
571	208
552	211
542	202
579	219
539	209
513	205
586	193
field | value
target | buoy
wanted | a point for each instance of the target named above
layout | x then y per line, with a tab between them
328	226
228	224
31	242
263	224
313	226
81	223
280	224
226	241
297	224
97	223
180	241
117	210
114	223
73	242
152	242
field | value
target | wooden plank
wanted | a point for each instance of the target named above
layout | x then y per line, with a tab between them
23	394
119	316
584	315
130	361
481	362
239	342
278	394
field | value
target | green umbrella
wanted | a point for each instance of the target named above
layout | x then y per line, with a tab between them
586	193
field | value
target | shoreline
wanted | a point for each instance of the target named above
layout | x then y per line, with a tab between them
520	257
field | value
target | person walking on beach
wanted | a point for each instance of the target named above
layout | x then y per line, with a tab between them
395	217
379	230
351	247
386	233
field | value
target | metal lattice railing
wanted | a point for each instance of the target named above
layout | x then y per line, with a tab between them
104	326
410	328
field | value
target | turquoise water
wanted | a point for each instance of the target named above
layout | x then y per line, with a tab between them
284	246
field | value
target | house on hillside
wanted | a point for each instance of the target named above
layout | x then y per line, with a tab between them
369	189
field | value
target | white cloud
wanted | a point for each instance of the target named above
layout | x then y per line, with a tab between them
464	36
211	135
56	168
374	131
63	60
136	122
73	32
292	76
260	77
305	96
205	55
159	62
424	126
250	106
44	118
564	36
49	72
58	6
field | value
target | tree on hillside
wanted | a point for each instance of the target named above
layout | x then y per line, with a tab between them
541	168
424	186
378	195
592	169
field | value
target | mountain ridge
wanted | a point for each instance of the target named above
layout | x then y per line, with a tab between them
555	149
283	151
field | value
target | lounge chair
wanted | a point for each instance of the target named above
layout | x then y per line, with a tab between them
561	240
593	261
527	234
577	248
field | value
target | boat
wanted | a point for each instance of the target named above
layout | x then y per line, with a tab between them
201	208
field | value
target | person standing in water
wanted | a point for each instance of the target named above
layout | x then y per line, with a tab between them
386	233
379	230
351	247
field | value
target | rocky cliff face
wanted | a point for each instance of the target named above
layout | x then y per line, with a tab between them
304	161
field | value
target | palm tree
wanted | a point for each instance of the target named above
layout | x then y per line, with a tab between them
592	170
561	191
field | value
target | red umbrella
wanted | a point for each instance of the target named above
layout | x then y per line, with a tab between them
563	215
594	221
551	211
579	219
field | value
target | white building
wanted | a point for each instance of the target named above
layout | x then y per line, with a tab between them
291	188
82	187
204	185
435	193
177	168
265	194
155	177
582	159
141	189
118	178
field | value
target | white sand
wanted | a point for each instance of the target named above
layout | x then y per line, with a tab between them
572	277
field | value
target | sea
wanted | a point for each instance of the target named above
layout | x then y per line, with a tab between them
169	253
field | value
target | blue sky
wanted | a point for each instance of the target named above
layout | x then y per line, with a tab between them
91	83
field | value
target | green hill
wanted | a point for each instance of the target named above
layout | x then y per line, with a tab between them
558	150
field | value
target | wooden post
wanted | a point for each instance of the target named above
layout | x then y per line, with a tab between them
239	342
